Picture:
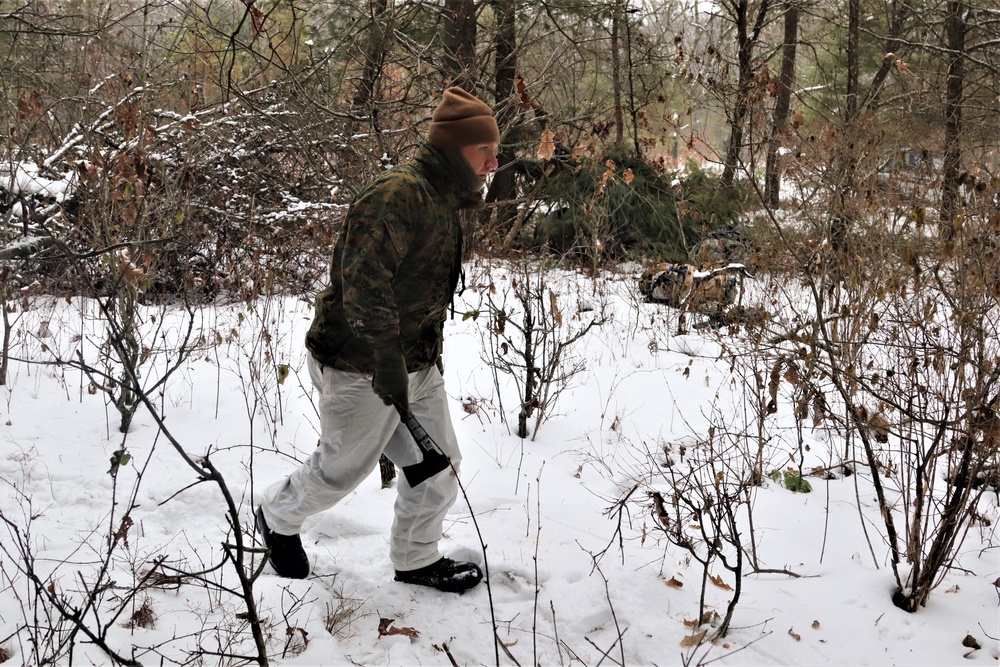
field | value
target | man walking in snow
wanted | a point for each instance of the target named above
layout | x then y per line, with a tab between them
375	351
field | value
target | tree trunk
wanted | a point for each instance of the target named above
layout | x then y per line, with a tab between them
503	185
616	70
782	105
363	104
375	50
747	37
846	161
955	29
841	218
853	60
630	70
893	46
460	42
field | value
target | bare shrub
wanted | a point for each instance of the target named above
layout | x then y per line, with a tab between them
900	345
706	488
530	333
341	614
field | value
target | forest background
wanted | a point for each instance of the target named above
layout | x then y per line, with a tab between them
198	153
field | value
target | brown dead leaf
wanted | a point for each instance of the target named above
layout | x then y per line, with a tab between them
791	633
815	625
256	18
88	171
673	582
384	629
661	510
691	624
127	116
524	100
546	145
772	387
29	106
694	640
122	534
554	308
720	582
792	374
605	177
194	98
127	269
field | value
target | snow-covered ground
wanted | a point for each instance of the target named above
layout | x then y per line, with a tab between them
572	580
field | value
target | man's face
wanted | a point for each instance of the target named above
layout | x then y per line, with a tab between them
481	157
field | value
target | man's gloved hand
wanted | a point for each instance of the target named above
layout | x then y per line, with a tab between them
391	381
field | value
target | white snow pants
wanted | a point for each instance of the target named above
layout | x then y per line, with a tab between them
356	427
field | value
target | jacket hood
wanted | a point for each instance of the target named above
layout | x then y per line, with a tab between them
446	176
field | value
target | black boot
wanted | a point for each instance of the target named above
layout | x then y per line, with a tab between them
446	575
285	552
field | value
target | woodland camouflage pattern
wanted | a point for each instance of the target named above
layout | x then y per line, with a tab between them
395	267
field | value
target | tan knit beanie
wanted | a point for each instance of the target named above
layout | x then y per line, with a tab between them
460	120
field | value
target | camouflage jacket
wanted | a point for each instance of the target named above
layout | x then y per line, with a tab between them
395	267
